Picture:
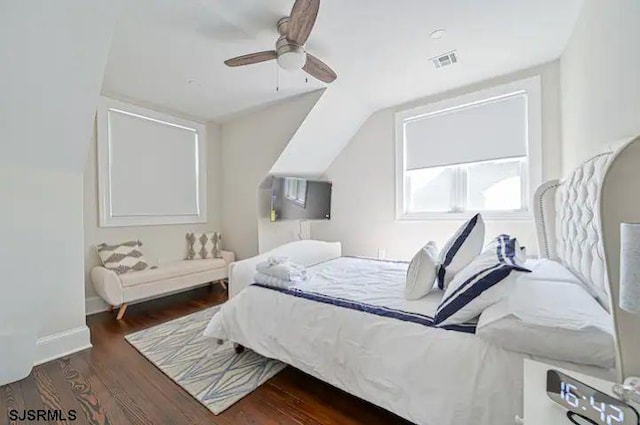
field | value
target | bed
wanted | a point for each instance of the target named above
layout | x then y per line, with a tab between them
380	347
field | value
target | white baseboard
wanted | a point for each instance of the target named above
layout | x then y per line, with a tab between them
95	305
62	344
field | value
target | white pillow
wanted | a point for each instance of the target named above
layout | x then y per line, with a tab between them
557	320
549	270
421	273
482	283
460	250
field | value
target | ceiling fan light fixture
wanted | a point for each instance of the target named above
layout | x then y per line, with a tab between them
292	60
290	56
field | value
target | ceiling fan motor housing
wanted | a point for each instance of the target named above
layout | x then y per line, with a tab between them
283	26
290	55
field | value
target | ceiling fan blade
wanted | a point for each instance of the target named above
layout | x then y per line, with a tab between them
303	16
318	69
252	58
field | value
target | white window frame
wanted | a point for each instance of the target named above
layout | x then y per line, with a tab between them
107	218
533	175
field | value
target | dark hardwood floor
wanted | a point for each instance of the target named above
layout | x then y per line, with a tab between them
113	384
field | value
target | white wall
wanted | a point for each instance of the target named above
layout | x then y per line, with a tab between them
600	79
162	243
363	215
53	56
41	253
251	144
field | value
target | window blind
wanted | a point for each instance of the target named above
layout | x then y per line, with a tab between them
153	167
483	131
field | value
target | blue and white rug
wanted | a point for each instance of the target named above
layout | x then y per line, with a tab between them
214	374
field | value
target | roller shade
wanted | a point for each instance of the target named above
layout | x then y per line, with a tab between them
483	131
153	166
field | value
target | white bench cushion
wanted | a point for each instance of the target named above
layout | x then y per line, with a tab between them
171	270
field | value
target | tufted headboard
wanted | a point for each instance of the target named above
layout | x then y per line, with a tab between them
569	224
578	224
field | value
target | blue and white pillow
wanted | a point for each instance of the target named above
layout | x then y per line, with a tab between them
482	283
460	250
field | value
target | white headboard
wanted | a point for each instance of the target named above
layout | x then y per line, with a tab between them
569	224
578	224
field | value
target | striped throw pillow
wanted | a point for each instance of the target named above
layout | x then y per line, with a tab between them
123	257
482	283
460	250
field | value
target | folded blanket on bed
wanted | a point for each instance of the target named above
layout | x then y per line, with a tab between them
274	261
283	270
272	281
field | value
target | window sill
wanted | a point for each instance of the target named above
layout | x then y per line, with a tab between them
461	216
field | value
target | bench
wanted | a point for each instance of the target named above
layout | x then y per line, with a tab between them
120	290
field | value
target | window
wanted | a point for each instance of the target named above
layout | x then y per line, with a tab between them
475	153
152	167
477	186
295	190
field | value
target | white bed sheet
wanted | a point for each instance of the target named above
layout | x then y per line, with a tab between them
427	375
376	283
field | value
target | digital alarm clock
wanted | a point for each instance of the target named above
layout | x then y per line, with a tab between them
585	404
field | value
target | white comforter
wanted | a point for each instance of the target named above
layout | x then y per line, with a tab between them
427	375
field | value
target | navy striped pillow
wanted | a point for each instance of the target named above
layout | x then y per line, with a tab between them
460	250
476	287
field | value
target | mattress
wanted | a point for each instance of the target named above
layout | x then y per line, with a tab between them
425	374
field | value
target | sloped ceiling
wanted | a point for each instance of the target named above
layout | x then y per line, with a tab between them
170	53
332	122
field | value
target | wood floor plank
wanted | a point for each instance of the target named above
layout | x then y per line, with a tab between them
289	405
132	395
4	409
329	405
120	396
103	395
50	394
14	400
84	395
113	384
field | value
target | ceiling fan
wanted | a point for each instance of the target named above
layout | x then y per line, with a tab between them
290	53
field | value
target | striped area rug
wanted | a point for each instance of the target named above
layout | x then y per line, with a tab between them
214	374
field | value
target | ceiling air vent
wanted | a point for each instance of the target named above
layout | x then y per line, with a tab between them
444	60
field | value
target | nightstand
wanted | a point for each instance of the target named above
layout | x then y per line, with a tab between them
538	408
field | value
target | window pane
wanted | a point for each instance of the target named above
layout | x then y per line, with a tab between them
301	190
290	188
430	189
494	186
